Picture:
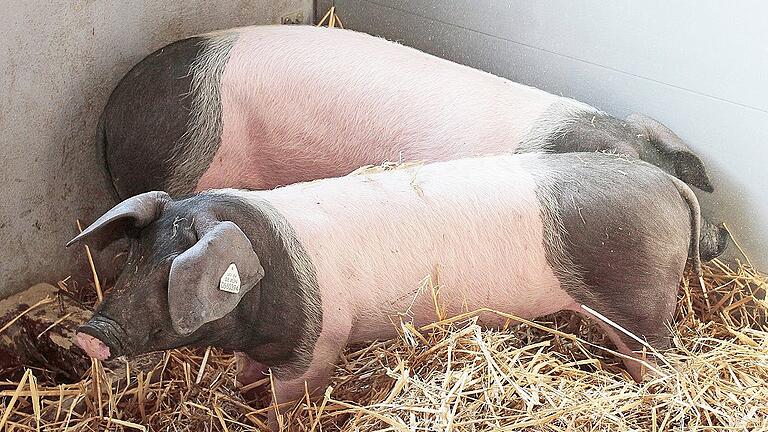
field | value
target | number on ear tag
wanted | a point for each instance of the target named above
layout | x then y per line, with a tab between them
230	280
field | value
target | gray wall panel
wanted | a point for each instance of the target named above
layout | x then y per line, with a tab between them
697	69
712	47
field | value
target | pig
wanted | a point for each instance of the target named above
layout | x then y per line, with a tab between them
288	277
265	106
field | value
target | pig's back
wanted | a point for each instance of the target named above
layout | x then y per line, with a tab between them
303	103
474	225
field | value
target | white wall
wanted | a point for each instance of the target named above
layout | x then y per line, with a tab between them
59	60
700	67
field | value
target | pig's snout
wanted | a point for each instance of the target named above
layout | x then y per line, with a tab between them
100	338
92	346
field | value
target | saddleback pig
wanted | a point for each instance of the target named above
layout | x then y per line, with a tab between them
290	276
264	106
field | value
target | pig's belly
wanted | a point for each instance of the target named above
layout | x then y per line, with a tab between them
472	226
507	275
525	295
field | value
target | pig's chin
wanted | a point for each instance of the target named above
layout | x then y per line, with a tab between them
92	346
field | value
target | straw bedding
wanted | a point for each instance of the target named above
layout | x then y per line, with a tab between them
551	374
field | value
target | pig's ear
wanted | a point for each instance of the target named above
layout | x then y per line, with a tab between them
209	279
138	212
688	166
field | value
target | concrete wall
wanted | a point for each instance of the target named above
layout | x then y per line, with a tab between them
59	60
698	66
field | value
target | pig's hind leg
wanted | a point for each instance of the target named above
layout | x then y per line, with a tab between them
637	293
619	246
638	355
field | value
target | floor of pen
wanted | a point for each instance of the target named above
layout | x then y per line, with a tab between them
458	375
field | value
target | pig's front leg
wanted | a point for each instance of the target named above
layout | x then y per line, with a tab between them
315	379
287	392
250	371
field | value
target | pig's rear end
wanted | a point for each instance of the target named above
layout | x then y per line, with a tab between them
619	234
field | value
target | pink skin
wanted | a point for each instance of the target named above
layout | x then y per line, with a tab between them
327	125
92	346
478	230
336	106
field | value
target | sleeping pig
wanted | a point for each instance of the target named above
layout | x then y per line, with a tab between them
290	276
264	106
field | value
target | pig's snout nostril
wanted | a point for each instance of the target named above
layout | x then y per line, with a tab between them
93	346
101	335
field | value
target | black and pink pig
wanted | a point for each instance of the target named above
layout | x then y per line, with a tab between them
288	277
265	106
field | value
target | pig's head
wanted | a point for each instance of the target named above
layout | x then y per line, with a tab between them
180	277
